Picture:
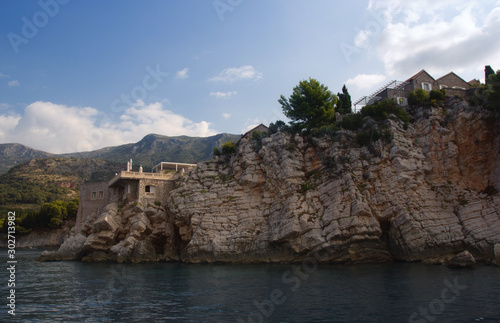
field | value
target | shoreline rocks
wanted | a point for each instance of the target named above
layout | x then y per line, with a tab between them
423	196
462	260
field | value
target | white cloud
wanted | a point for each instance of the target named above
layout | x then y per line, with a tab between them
182	74
223	95
5	106
7	124
233	74
226	115
366	81
60	129
3	75
14	83
438	36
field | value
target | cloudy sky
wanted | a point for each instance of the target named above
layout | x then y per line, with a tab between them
81	75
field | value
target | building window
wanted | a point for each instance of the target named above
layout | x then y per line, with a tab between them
426	86
442	87
402	101
101	195
150	190
93	196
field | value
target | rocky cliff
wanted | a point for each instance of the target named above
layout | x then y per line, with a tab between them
428	193
43	238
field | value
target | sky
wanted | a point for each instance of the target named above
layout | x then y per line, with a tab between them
82	75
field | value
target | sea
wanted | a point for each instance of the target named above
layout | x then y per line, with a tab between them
72	291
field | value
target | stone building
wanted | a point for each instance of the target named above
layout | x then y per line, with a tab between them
127	186
453	84
249	133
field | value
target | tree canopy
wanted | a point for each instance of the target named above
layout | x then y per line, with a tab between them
311	105
344	104
493	90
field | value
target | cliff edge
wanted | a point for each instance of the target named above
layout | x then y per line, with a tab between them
427	193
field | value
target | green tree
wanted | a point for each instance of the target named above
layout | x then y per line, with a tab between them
344	104
493	90
278	126
310	106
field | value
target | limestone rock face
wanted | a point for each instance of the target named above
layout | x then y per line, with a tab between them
43	238
429	193
462	260
425	195
133	233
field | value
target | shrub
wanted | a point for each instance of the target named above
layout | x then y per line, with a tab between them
216	151
278	126
363	138
228	148
380	110
328	131
437	95
352	121
387	135
418	97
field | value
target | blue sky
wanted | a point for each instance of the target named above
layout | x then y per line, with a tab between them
81	75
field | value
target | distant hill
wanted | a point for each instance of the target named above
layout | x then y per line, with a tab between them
153	149
38	177
14	154
44	180
149	151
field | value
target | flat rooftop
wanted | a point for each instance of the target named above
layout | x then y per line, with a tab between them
139	175
172	166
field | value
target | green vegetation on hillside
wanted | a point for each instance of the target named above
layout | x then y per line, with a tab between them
46	180
421	97
492	91
50	215
312	110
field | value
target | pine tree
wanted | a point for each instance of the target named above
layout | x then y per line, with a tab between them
344	104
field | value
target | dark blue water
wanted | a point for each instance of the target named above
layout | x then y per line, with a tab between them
82	292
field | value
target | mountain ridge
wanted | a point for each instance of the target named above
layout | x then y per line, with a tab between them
149	151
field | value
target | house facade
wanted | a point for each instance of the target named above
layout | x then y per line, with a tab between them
453	84
127	186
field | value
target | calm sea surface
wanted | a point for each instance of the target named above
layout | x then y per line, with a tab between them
82	292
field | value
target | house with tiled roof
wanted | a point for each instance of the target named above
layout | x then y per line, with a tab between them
453	84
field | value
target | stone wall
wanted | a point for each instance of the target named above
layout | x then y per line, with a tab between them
161	190
93	197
